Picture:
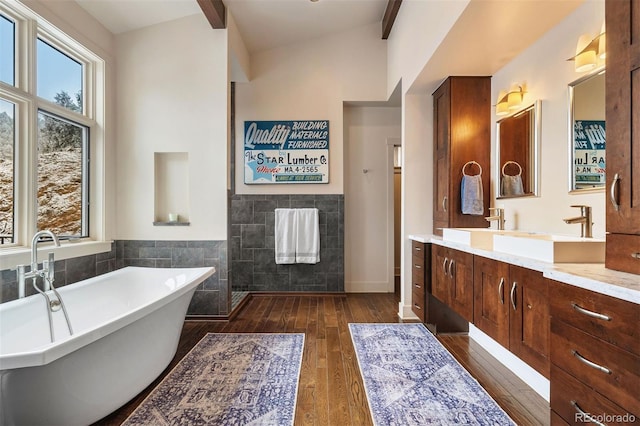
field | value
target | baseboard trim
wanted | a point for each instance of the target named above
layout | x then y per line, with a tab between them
221	318
531	377
368	287
298	293
406	313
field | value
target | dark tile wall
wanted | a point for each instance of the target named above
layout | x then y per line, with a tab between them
252	241
68	271
211	297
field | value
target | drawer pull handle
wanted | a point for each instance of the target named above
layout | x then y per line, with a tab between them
613	195
590	363
500	292
417	285
585	415
444	203
415	305
590	313
635	255
417	266
513	295
418	249
444	265
450	266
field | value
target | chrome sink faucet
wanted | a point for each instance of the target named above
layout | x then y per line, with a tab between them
498	216
48	269
584	220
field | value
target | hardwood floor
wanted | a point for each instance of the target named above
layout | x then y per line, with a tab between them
331	391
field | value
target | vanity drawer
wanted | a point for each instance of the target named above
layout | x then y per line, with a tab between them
418	249
606	368
589	311
417	274
556	420
623	253
571	400
418	304
417	287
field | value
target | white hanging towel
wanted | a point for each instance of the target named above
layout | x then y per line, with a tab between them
286	230
308	236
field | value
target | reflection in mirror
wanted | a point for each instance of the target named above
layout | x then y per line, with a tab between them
587	133
517	148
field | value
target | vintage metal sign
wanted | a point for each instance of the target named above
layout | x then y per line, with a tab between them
589	152
286	152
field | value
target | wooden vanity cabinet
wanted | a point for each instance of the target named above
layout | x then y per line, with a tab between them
595	354
461	133
511	306
491	294
420	278
452	279
623	135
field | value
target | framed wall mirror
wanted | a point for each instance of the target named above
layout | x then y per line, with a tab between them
587	135
517	153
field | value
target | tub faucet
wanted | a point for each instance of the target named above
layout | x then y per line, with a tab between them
499	217
584	220
48	269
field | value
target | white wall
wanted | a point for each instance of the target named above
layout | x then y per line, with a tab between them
417	32
369	246
172	96
310	81
546	72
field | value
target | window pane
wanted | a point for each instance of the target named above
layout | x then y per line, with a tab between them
7	124
7	50
59	77
62	176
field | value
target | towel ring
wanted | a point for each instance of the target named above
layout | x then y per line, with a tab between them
511	162
471	163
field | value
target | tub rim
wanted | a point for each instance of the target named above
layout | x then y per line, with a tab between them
45	354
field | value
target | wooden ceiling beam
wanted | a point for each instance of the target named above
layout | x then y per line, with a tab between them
215	11
393	6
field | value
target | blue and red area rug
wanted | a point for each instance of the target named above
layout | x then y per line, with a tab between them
411	379
229	379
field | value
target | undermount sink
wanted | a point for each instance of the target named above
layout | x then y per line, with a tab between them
481	238
552	248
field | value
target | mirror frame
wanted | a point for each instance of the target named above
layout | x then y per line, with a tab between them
571	138
534	148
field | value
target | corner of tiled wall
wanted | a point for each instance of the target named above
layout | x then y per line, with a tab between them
252	245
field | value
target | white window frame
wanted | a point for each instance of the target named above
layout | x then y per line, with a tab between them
28	28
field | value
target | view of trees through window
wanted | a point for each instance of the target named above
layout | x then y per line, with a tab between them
60	171
60	163
6	171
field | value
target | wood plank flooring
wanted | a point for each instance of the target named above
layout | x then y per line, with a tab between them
331	391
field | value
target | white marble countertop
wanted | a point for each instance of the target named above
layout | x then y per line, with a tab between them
590	276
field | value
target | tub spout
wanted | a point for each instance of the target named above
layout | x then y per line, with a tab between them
48	268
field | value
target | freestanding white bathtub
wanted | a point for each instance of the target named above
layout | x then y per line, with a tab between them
126	325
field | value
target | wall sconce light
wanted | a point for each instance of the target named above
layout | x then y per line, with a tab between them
511	100
589	51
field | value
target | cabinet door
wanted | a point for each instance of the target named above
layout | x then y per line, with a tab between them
461	277
491	309
529	322
439	273
441	140
623	116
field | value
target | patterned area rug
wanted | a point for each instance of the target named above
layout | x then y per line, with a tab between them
229	379
411	379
